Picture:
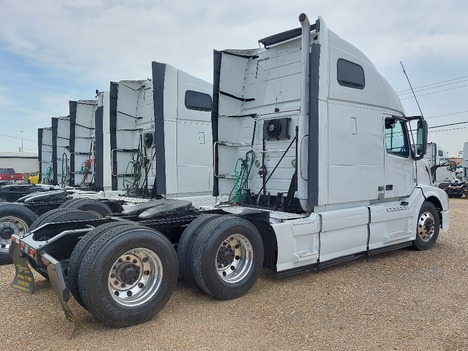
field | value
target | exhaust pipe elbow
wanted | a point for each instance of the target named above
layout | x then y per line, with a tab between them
303	19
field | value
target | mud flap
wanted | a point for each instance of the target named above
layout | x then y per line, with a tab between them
24	278
57	279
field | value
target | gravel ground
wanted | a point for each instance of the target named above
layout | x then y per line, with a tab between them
404	300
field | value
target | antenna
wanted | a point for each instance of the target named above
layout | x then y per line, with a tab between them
415	98
269	77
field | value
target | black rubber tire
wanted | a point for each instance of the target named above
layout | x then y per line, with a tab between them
57	215
185	245
102	257
62	215
68	203
217	236
79	252
89	205
427	227
18	219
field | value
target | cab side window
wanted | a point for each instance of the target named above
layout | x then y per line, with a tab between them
396	139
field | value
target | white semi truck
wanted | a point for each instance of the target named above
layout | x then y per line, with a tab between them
160	127
289	120
45	151
82	143
458	185
438	161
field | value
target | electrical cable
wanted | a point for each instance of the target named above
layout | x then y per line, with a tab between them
448	125
242	171
435	92
447	114
435	84
48	176
86	166
65	170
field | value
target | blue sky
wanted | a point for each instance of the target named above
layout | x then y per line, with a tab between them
53	51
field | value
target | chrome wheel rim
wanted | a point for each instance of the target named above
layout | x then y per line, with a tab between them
234	258
135	277
426	226
10	225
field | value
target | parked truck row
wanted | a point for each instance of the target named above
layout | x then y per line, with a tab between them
458	186
109	150
118	141
288	120
448	173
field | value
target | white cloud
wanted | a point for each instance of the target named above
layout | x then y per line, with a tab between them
106	38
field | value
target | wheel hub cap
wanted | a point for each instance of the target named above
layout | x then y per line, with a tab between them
6	231
225	256
129	273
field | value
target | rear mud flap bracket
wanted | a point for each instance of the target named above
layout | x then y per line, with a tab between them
57	279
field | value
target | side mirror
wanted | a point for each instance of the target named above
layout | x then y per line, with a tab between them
420	148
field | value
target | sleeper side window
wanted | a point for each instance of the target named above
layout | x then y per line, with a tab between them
195	100
350	74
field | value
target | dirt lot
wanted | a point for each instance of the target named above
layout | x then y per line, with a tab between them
404	300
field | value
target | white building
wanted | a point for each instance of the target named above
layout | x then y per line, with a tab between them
22	162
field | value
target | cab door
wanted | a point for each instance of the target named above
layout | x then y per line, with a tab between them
399	166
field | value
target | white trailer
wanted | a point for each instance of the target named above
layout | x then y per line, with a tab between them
288	120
